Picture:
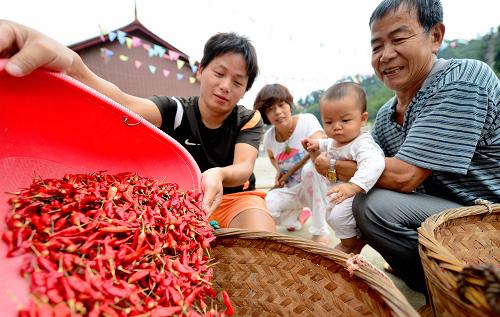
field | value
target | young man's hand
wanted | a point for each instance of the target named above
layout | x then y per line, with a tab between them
28	49
211	183
342	191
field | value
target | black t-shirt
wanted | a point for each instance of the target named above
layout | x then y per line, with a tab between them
216	147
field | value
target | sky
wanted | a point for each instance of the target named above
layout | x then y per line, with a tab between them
304	45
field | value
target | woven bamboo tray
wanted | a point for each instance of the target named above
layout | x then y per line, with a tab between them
460	252
268	274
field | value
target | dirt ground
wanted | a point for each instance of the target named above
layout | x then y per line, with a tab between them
265	173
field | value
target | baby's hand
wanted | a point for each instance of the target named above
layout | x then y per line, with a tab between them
310	145
341	192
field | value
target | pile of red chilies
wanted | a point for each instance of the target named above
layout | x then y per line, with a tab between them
113	245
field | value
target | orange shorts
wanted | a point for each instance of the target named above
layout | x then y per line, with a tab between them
233	204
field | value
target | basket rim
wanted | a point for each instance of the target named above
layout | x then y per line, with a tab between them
427	236
385	287
434	255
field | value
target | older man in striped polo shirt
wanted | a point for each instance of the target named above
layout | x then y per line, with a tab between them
440	133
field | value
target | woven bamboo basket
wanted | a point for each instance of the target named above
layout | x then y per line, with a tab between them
268	274
460	252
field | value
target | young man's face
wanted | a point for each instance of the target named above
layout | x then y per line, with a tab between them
402	52
223	83
342	118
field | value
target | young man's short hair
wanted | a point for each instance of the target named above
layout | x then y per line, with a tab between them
223	43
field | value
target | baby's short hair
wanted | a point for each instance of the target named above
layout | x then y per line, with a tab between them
340	90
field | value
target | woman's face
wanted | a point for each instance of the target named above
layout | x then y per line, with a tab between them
280	115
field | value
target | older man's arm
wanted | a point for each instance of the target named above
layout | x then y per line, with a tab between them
398	175
401	176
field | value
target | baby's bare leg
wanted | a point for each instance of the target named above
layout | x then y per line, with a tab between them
347	245
351	245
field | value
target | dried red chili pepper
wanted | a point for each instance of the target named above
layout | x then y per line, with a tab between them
102	237
227	302
165	311
115	229
139	275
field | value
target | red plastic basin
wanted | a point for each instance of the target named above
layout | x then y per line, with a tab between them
50	125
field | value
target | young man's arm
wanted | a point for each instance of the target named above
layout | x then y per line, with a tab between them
229	176
29	49
142	106
239	172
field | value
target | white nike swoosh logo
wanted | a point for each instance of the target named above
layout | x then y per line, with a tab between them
190	143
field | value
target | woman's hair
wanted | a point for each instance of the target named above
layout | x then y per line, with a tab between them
429	12
340	90
223	43
270	95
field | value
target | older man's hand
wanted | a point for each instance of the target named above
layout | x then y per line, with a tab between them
321	163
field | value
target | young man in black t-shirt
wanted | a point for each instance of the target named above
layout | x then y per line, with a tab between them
227	70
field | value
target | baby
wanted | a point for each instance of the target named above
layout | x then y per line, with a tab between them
343	112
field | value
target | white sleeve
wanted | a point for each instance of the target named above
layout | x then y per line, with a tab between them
178	113
267	140
370	163
312	124
323	144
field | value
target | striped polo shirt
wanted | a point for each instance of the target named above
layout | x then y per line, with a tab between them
452	127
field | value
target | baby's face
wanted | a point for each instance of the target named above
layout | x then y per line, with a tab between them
342	118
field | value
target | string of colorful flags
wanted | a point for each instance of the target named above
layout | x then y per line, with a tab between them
154	50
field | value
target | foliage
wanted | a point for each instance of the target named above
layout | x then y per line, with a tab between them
376	95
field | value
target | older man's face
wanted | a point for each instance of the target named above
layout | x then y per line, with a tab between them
402	52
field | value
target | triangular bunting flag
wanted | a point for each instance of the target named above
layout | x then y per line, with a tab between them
121	37
174	56
112	36
123	58
192	61
166	73
165	56
128	40
102	53
194	68
180	63
159	51
152	69
105	54
179	76
192	80
138	64
102	32
136	41
151	52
